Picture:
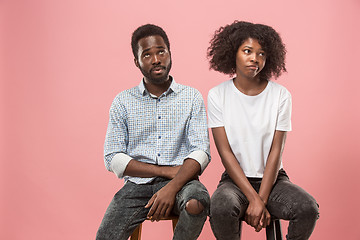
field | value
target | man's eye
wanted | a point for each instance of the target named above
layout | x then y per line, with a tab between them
162	52
247	51
146	55
262	54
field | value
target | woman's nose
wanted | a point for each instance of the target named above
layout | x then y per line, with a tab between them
254	58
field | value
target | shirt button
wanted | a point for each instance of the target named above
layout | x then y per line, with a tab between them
159	154
159	137
159	117
159	100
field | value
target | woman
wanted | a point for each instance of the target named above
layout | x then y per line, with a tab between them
249	116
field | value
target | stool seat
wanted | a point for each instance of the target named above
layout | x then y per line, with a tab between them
136	235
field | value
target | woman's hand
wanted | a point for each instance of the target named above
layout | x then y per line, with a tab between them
257	215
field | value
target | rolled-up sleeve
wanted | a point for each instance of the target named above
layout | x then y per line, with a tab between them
201	157
119	163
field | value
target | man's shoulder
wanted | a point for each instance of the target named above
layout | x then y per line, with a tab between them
128	93
187	90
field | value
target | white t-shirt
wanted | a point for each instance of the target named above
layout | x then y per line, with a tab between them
250	121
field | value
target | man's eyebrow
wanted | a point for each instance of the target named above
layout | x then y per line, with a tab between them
158	47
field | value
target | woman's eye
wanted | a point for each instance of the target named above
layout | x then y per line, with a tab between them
146	55
247	51
161	52
262	54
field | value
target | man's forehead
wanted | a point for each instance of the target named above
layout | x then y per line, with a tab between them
151	41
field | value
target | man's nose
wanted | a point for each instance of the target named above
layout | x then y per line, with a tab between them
156	59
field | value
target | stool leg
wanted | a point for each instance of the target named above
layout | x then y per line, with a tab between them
278	230
273	231
136	235
174	222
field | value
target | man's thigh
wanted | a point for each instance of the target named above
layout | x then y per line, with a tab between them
126	211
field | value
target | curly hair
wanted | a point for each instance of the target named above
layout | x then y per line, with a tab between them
227	40
146	31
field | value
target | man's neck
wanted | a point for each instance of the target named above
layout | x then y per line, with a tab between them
157	89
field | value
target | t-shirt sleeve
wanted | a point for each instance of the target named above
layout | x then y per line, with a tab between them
284	114
215	110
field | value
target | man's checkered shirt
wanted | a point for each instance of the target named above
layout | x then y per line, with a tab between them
161	131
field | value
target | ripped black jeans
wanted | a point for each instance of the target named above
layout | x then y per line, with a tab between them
126	210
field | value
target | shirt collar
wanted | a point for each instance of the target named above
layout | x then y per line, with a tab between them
174	87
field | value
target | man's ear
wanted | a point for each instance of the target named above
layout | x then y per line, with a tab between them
136	63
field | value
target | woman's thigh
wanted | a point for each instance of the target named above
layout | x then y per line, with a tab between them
287	200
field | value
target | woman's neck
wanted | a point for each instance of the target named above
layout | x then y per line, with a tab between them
250	87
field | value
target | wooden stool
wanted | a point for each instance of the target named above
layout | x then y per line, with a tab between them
136	235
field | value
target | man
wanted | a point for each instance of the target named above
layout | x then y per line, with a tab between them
157	140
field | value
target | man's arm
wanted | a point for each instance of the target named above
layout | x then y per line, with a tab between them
139	169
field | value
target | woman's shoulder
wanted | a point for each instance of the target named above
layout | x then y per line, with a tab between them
279	88
218	89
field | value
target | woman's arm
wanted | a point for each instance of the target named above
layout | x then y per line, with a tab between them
256	209
272	165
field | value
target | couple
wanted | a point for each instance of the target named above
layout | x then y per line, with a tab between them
157	140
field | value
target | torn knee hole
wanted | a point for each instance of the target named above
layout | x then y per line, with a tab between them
194	207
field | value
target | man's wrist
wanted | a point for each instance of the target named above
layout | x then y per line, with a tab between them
173	187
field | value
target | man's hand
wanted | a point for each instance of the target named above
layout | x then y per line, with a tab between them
257	215
161	203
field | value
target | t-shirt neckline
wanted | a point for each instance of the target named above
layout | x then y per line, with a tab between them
245	95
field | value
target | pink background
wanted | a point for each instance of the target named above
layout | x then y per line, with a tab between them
62	63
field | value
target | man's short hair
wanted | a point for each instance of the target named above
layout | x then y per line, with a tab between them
146	31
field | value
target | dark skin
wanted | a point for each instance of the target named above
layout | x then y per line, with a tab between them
154	61
250	60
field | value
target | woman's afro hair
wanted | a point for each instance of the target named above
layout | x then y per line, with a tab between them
227	40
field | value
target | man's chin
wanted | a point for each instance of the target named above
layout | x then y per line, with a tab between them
159	79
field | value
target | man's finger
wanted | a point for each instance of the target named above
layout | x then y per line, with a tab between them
152	210
163	211
150	202
156	213
168	211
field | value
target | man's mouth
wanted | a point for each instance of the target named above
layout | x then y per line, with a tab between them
157	69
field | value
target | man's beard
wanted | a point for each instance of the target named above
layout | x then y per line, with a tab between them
157	80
